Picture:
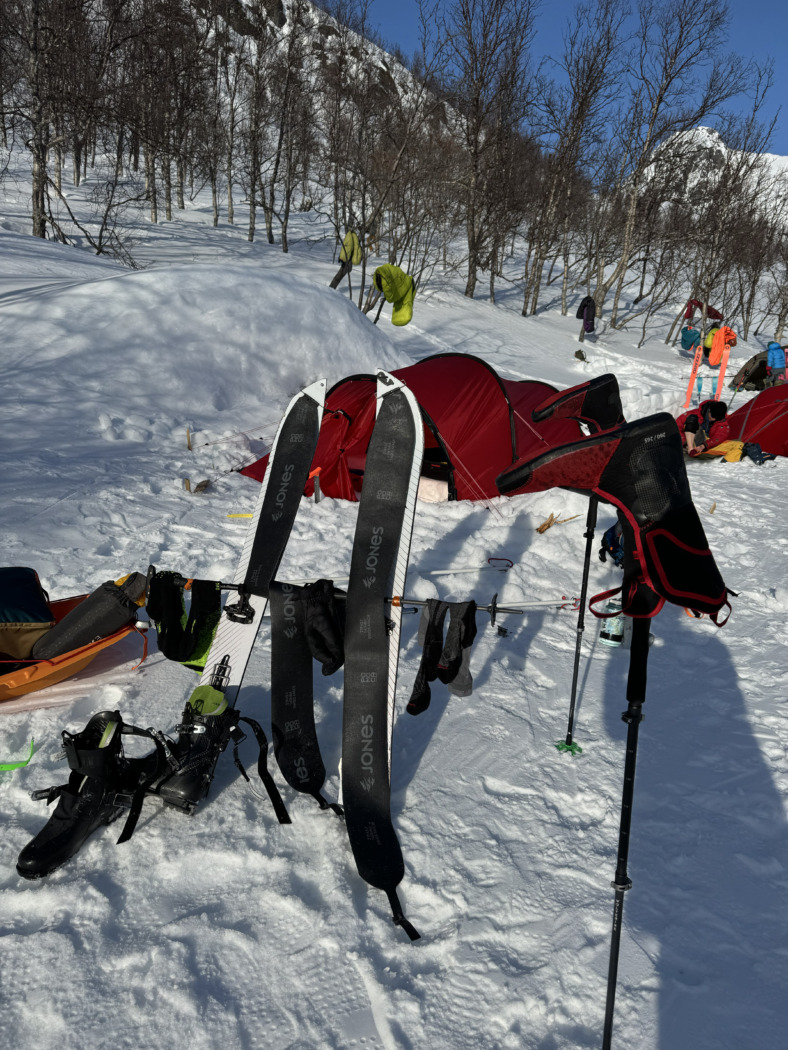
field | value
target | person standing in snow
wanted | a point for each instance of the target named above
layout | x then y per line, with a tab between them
775	363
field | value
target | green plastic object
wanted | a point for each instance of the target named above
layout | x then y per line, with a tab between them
573	749
205	700
6	767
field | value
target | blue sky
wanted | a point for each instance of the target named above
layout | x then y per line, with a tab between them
759	28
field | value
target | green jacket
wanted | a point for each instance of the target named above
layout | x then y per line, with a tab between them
351	249
398	289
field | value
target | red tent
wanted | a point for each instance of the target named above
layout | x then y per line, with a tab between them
764	420
475	426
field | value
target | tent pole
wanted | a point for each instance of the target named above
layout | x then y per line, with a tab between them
567	744
633	716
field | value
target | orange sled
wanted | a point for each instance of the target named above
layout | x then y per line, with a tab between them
38	674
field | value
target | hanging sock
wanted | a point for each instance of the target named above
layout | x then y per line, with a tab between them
448	662
431	639
454	666
596	403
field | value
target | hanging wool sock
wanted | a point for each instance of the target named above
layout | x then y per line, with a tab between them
454	666
431	638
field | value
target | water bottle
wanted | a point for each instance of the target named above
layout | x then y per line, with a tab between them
612	629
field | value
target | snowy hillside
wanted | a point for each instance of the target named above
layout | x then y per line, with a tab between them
228	930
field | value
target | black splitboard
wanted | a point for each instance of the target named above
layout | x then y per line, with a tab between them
381	547
277	505
285	480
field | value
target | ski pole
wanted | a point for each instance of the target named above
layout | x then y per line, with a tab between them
400	601
506	564
568	744
412	605
494	609
633	716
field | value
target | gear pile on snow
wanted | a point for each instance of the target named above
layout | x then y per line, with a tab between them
576	439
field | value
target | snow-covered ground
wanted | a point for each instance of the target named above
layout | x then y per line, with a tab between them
227	930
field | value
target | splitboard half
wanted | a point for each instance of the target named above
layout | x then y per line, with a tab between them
379	562
269	530
210	718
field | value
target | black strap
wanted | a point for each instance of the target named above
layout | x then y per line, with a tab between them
164	757
262	768
399	917
323	802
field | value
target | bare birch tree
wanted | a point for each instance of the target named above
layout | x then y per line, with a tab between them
488	50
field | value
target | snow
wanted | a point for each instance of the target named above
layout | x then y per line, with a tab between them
225	929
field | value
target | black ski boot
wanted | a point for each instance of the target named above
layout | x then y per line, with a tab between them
100	788
207	727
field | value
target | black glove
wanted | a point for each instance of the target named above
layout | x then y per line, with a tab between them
324	622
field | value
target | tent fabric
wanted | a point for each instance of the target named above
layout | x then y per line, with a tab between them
752	375
763	421
475	426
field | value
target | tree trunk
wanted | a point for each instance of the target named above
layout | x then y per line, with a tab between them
565	278
286	219
180	183
677	321
252	200
76	159
782	318
626	248
39	136
150	185
230	202
166	168
59	168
